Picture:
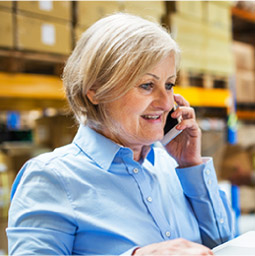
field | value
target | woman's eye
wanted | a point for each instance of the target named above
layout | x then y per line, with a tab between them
169	86
147	86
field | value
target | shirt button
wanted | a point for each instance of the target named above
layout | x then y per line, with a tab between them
208	171
209	182
135	170
168	234
221	221
149	199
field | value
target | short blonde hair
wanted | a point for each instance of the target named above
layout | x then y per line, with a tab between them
109	58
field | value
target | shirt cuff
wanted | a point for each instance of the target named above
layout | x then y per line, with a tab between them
130	251
196	180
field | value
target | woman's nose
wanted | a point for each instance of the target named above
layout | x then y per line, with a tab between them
164	100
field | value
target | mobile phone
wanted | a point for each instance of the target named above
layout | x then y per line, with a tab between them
170	131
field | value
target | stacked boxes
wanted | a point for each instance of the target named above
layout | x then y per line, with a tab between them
238	156
47	36
6	4
192	9
190	35
54	9
43	26
6	24
54	131
48	24
151	10
88	12
245	72
204	36
218	49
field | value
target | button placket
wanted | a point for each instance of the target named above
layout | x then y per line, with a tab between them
168	234
140	177
135	170
149	199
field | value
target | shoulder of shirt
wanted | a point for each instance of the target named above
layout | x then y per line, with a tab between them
53	158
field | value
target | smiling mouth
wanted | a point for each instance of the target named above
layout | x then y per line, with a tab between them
150	117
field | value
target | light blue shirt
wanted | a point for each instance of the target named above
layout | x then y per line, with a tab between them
91	197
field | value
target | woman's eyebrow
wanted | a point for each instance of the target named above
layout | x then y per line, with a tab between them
172	76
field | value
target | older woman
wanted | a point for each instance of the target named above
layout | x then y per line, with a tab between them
110	191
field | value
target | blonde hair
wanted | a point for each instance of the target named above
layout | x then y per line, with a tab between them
109	58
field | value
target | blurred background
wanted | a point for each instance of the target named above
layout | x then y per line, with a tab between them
217	77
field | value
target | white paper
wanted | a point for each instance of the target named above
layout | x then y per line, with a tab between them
242	245
48	34
45	5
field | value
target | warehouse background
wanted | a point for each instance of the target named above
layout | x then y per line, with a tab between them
217	76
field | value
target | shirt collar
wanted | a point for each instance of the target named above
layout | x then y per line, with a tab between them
101	149
96	146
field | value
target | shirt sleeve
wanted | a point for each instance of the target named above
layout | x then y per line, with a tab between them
41	219
209	204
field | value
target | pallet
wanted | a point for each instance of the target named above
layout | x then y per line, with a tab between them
14	61
203	80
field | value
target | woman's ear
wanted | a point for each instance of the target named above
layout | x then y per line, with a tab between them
91	95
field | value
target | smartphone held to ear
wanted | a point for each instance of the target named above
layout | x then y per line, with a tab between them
170	130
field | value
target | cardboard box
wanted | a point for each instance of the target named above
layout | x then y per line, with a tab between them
219	59
245	86
192	9
54	131
6	4
190	36
218	15
47	9
151	10
88	12
213	145
38	35
14	155
244	55
247	199
222	35
246	136
6	29
78	30
234	156
205	48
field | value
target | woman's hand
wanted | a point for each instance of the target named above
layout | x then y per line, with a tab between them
186	147
174	247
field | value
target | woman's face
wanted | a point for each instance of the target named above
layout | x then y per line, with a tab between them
140	114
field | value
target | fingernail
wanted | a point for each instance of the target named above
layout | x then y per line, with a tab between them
179	127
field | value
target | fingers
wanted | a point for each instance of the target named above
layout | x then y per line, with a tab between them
184	112
180	100
190	124
174	247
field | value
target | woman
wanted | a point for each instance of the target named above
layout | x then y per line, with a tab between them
110	192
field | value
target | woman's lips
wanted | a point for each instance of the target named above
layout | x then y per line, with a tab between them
151	117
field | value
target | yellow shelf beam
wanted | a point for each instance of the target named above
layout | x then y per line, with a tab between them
31	86
45	87
205	97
